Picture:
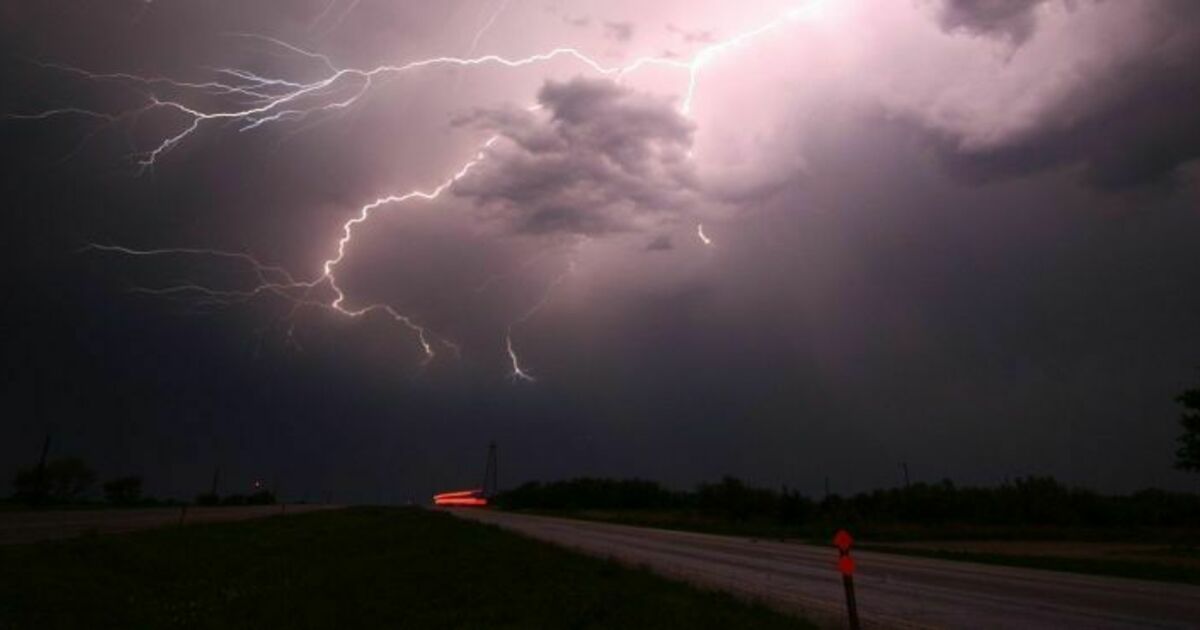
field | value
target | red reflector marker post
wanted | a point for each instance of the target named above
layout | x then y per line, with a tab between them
842	540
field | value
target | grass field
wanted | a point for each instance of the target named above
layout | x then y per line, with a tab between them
355	568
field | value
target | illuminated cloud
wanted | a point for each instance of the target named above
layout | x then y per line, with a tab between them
620	31
596	158
1013	19
917	246
1124	112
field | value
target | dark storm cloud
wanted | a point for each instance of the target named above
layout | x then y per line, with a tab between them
597	158
1012	19
1130	123
692	36
660	244
869	310
620	31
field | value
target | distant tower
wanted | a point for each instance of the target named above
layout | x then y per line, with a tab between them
491	473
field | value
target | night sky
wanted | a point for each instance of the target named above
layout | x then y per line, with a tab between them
959	234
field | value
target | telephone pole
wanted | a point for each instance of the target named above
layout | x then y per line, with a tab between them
491	473
39	488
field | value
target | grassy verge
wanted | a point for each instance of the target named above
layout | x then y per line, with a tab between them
1091	566
362	567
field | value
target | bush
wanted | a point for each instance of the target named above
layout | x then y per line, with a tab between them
123	490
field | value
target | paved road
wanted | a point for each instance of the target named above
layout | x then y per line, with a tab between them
26	527
893	591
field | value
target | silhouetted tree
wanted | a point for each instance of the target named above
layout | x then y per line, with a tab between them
68	478
1023	502
262	497
734	500
27	485
62	480
123	490
1188	455
589	494
208	498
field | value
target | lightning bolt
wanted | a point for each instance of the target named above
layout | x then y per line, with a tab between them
518	372
256	101
487	26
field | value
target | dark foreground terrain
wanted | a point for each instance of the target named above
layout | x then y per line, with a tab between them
27	526
892	590
360	567
1162	555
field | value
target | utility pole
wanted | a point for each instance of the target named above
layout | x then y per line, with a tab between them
904	467
215	481
491	473
39	482
39	489
826	487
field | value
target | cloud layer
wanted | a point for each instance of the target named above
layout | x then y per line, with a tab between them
595	158
957	234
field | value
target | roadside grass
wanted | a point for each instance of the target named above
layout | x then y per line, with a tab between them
91	506
877	537
360	567
1150	570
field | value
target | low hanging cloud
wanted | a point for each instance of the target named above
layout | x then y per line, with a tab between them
594	158
1008	89
1011	19
620	31
1128	120
661	243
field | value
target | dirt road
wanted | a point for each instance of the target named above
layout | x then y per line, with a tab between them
893	591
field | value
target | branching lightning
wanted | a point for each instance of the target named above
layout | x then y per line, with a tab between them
487	26
519	372
253	101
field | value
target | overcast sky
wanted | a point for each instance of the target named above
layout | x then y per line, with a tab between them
796	240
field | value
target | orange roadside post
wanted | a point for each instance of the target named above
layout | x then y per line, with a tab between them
843	541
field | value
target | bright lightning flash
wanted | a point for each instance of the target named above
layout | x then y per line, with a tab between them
254	101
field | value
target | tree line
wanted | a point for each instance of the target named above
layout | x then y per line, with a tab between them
1029	501
66	480
69	480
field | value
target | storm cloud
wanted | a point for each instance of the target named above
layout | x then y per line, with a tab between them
1013	19
595	158
956	234
1129	119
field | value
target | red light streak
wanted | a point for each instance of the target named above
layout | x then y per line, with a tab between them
464	502
473	498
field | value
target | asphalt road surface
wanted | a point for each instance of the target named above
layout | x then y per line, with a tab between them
892	591
26	527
